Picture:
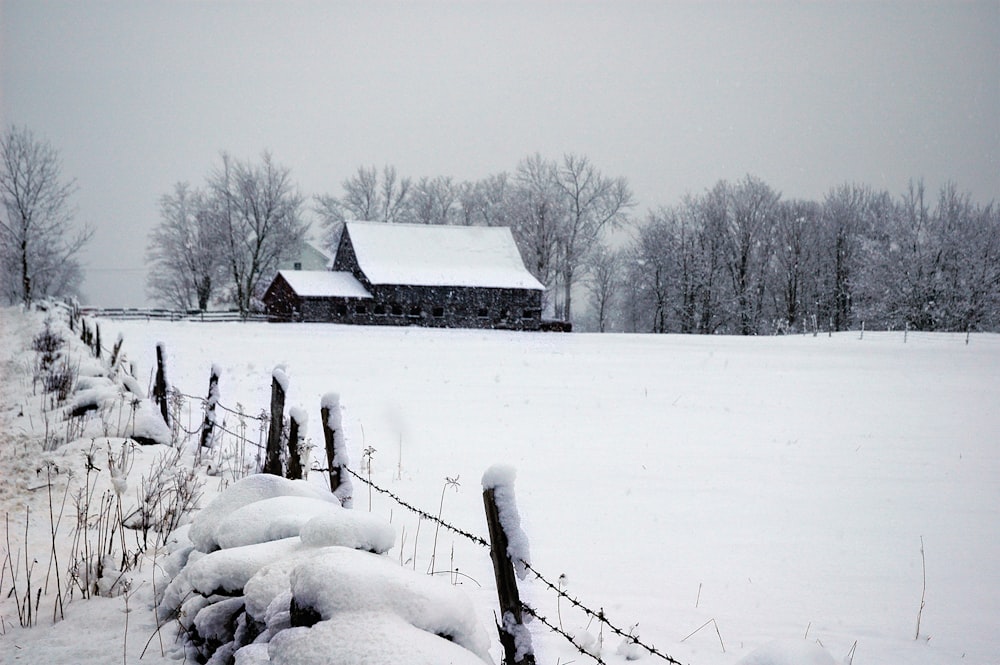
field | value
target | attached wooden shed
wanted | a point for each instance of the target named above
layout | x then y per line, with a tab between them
314	295
413	274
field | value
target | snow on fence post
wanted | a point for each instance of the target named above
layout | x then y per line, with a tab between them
160	385
336	450
279	388
213	398
508	549
297	453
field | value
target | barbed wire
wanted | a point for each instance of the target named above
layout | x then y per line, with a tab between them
423	513
569	638
239	436
220	405
600	616
242	414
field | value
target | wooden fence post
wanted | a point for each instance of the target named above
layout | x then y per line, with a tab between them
272	458
97	341
213	398
513	633
336	454
296	434
160	385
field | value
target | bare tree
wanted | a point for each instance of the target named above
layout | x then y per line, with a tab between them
593	202
361	199
433	201
489	202
257	209
794	267
185	250
750	242
604	274
651	265
537	213
38	248
395	194
332	216
367	196
851	215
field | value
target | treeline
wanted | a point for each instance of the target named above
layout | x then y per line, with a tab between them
738	259
735	259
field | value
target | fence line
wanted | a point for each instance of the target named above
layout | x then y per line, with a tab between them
141	314
599	615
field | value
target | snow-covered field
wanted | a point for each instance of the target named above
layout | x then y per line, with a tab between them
771	488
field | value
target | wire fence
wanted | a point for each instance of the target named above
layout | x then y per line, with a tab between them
241	439
598	615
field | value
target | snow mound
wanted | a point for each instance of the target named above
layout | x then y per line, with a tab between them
349	581
242	493
269	519
347	528
148	426
277	571
223	571
789	652
387	640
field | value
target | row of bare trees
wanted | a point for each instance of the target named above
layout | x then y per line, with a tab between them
224	241
738	259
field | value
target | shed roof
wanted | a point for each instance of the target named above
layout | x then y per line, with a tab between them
432	255
324	283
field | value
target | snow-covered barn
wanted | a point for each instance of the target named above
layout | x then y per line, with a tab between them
415	274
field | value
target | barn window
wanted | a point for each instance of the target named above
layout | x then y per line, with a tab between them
360	308
483	313
438	312
397	310
529	314
415	312
341	310
380	310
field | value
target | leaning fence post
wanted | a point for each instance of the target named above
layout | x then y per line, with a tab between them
336	451
297	461
160	385
508	545
279	387
213	398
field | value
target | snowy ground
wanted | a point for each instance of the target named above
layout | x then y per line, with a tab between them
779	486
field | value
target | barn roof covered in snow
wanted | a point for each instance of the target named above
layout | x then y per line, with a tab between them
432	255
324	283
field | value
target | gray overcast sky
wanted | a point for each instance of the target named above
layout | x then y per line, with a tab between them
137	95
